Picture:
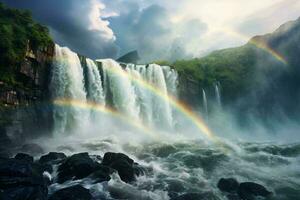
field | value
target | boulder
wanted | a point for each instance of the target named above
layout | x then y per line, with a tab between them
24	157
20	180
77	166
15	168
102	174
233	197
76	192
52	157
110	158
248	190
43	167
123	164
24	193
228	185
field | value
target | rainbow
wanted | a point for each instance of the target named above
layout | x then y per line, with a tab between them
106	110
179	106
259	44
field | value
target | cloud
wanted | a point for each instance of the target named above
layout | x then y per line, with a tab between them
158	29
270	18
74	23
151	31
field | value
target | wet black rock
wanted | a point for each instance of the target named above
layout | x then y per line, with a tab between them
122	163
13	167
228	185
76	192
233	197
43	167
196	196
52	157
102	174
20	180
24	157
24	193
109	158
77	166
248	190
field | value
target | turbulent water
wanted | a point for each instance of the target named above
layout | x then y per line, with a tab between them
184	167
124	101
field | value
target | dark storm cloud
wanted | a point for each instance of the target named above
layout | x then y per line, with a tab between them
133	25
69	23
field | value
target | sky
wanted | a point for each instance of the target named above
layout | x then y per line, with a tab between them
157	29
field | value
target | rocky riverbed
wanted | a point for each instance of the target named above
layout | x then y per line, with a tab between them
179	171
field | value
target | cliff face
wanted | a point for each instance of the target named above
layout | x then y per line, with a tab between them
23	106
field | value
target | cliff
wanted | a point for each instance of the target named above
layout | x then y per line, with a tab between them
26	52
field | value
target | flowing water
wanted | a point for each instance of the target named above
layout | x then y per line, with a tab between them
174	168
218	94
204	101
174	163
67	81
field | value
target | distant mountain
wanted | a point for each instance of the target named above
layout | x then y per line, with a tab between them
262	76
131	57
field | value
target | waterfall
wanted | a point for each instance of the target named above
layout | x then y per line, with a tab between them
67	82
138	92
171	77
123	95
218	94
95	89
204	99
162	113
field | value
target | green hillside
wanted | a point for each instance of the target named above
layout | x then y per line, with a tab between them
17	31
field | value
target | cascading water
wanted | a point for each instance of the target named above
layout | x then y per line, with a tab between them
204	100
218	94
123	95
95	91
67	82
171	77
111	85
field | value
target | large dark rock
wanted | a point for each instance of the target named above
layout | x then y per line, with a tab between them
77	166
233	197
248	190
24	193
228	185
122	163
102	174
76	192
24	157
13	167
109	158
19	179
52	157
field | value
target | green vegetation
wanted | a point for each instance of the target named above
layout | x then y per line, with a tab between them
17	31
231	67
